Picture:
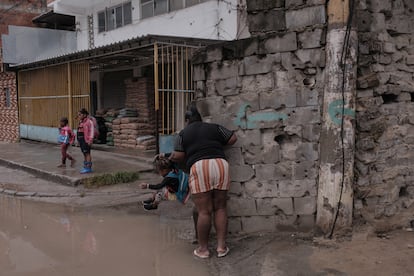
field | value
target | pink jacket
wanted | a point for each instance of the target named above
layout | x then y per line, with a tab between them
86	126
68	132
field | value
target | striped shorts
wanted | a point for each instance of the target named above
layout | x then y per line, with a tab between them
209	174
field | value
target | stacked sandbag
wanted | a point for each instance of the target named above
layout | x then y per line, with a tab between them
116	132
128	112
126	130
101	112
140	95
137	119
129	129
146	142
109	116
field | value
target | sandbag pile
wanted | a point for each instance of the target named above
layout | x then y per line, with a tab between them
101	112
146	142
109	116
126	130
128	112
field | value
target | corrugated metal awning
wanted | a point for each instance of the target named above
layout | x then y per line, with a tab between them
125	53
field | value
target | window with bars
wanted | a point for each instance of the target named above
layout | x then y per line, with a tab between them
115	17
150	8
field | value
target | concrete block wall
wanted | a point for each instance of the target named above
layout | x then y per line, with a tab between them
268	89
9	124
384	190
286	15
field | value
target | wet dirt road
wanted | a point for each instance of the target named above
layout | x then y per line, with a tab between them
40	239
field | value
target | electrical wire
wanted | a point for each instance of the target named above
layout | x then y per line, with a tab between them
344	56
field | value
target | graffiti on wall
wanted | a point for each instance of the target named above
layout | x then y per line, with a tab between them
336	110
246	121
250	121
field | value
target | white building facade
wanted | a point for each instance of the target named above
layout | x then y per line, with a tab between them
100	23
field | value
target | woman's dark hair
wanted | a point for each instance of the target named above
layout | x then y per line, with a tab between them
64	120
192	115
84	111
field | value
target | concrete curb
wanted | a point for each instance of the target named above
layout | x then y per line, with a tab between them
147	160
62	179
15	193
66	180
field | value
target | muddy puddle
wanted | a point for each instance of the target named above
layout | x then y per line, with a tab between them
40	239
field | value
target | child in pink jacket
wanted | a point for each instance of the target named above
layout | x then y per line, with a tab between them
66	138
85	135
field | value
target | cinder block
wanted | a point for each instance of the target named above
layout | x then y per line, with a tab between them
210	106
248	138
254	65
241	173
308	16
252	154
236	189
297	188
305	170
266	21
399	24
223	70
305	205
263	189
199	73
280	43
305	223
310	38
303	115
307	152
258	223
307	97
278	171
293	3
314	57
234	225
277	99
241	206
234	156
284	204
232	84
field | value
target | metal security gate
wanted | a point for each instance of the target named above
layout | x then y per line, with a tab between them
173	85
49	93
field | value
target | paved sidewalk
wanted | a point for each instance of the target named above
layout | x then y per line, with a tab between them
41	159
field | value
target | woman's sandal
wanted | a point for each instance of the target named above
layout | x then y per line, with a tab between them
199	255
221	254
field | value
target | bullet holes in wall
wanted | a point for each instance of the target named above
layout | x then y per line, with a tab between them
280	138
389	98
309	82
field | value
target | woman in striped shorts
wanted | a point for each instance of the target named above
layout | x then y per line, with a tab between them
202	146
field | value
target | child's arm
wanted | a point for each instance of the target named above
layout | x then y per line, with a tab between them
144	185
71	136
155	186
